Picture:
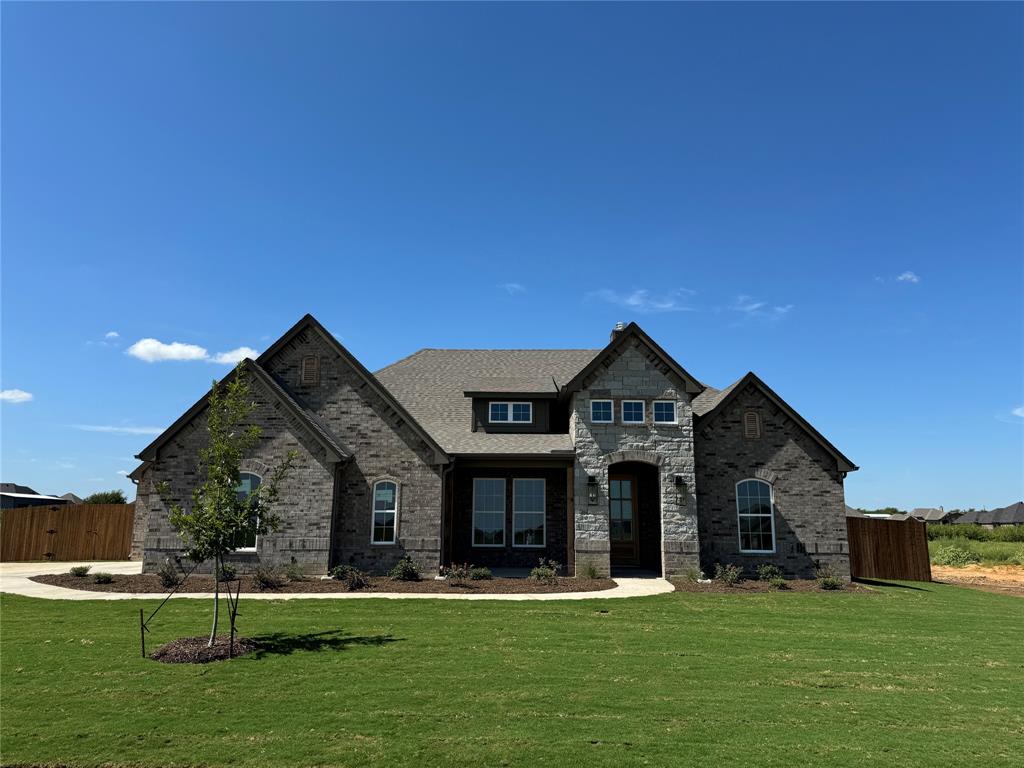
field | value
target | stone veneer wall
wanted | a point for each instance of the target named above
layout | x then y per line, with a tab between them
636	374
810	509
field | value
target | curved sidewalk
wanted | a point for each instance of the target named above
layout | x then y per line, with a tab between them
14	579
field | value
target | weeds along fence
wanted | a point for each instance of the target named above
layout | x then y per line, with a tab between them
976	532
64	533
888	549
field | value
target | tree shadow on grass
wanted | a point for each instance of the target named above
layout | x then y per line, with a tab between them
287	643
880	583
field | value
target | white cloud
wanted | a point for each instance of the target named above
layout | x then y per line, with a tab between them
120	430
65	465
762	309
152	351
233	356
123	472
111	335
513	288
15	396
644	302
1018	411
908	277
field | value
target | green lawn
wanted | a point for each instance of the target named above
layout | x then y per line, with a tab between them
905	676
990	552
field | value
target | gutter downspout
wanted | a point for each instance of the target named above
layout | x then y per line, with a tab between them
446	474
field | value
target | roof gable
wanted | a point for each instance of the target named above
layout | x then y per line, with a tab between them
615	348
717	402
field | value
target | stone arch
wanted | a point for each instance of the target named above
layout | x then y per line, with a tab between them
644	457
766	474
255	466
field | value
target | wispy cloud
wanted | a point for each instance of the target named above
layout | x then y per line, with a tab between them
908	277
64	465
1018	411
644	302
514	288
751	307
155	351
111	335
15	396
123	472
119	430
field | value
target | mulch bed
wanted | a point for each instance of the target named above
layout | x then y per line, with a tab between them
194	650
150	584
752	585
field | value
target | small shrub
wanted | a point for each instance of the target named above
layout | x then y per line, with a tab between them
227	572
354	578
457	573
103	578
80	570
827	578
777	582
1017	558
728	574
405	570
267	579
294	572
768	571
168	575
954	556
480	573
546	571
590	571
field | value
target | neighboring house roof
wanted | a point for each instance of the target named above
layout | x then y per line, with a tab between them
72	498
1011	515
972	516
432	384
928	514
714	403
15	488
41	496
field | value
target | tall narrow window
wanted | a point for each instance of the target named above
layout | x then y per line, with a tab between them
385	512
755	514
528	513
247	485
310	374
488	512
751	425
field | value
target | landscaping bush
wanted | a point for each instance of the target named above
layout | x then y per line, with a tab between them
954	556
728	574
405	570
768	571
1018	557
267	579
827	578
80	570
777	582
589	571
457	573
354	578
480	573
227	572
168	575
103	578
294	572
546	571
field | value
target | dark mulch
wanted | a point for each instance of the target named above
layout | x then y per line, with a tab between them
149	583
752	585
194	650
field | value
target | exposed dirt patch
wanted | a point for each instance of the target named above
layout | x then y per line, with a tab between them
753	585
194	650
150	584
1005	579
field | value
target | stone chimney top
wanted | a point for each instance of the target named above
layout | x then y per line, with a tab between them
619	328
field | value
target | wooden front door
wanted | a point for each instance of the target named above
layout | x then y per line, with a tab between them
622	519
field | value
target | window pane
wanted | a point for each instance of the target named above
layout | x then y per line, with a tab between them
247	483
522	412
528	495
383	527
665	412
488	511
499	411
632	411
529	529
384	496
601	411
754	511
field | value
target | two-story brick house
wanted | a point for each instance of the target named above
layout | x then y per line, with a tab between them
611	458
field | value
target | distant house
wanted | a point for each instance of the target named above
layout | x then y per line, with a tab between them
13	496
851	512
933	515
1011	515
71	498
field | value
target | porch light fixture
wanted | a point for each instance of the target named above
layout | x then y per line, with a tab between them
682	489
591	489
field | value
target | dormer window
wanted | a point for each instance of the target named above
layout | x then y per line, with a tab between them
510	413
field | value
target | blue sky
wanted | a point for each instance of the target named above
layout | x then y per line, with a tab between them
829	195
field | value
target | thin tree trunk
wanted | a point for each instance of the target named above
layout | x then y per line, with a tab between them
216	599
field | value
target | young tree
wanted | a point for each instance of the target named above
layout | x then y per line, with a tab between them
106	497
219	516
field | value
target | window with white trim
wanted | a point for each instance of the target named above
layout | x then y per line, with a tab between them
664	411
510	413
528	510
488	512
755	507
633	411
248	482
385	512
601	412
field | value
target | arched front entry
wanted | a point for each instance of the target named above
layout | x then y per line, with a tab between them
634	515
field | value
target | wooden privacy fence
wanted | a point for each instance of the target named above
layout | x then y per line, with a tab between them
71	532
888	549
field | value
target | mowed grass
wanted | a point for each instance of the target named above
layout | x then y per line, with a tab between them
990	552
913	675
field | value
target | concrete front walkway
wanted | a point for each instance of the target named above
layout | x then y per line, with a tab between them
14	579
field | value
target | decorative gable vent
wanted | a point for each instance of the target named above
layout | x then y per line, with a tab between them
310	372
751	425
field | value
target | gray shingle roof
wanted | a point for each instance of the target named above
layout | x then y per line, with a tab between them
928	514
431	383
710	397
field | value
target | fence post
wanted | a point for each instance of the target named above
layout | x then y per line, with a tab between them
142	633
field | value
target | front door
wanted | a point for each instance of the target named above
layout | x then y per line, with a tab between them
622	519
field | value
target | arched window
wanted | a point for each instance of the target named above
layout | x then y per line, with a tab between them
755	512
247	484
385	512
